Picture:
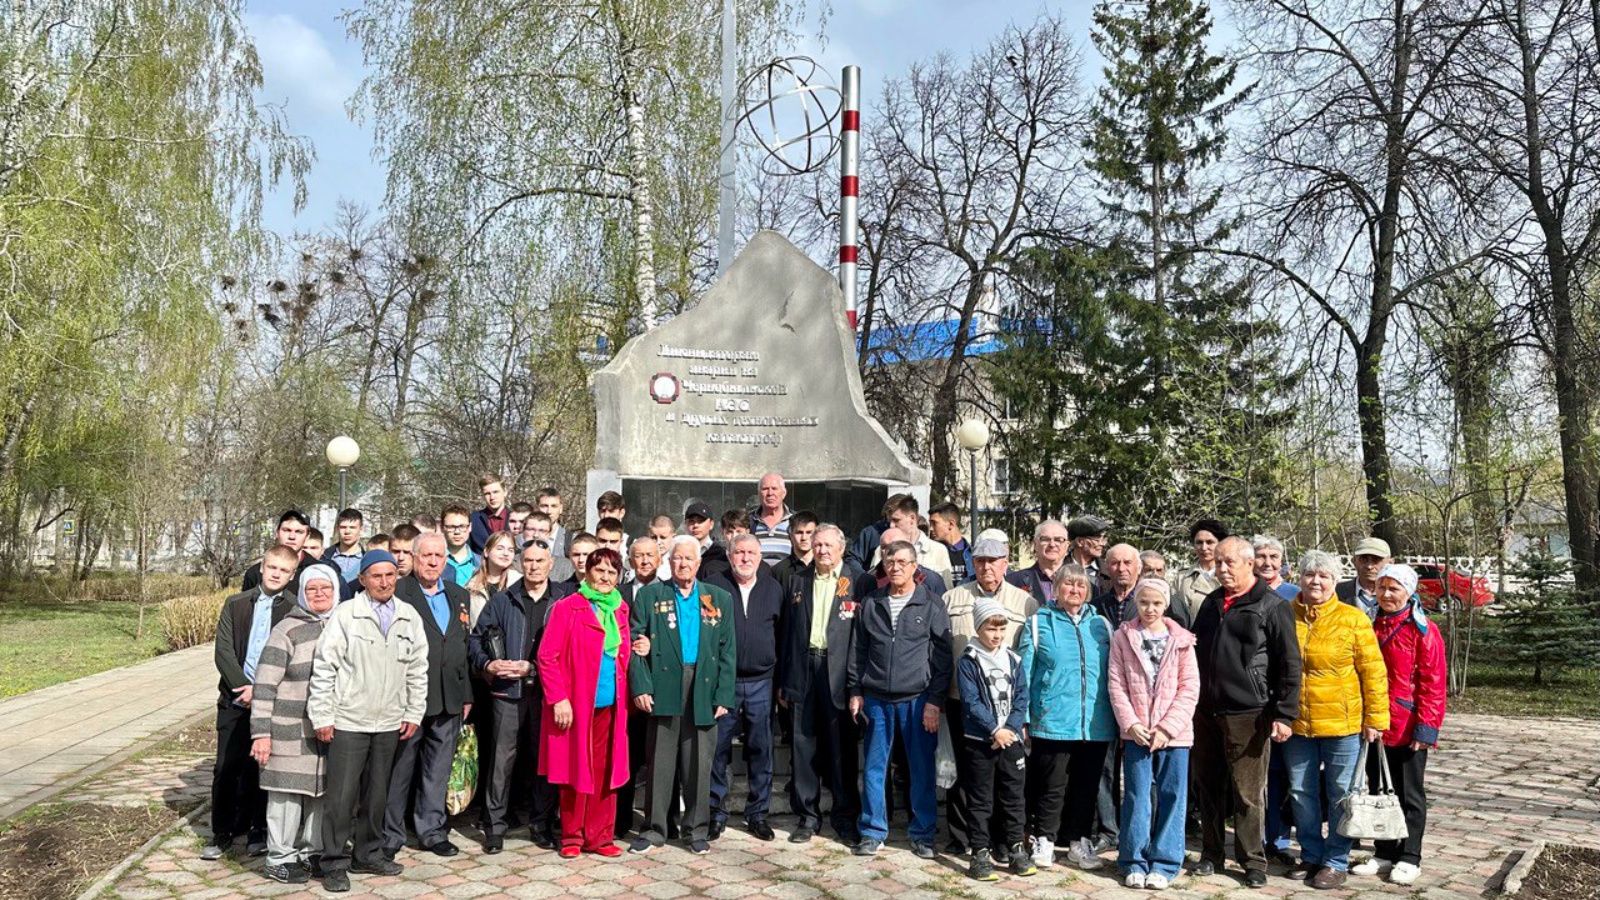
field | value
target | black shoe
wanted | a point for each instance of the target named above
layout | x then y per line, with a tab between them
1255	878
923	849
716	830
1021	862
1282	858
293	873
699	848
981	868
382	867
314	866
1000	855
641	846
955	848
760	830
1203	867
493	843
336	882
1301	871
390	854
444	848
543	841
802	835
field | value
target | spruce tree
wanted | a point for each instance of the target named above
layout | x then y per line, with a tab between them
1165	379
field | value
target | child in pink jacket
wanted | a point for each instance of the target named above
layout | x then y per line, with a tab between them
1154	685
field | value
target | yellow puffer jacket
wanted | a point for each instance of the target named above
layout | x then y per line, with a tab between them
1344	684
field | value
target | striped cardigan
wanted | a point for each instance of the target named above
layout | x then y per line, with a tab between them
298	764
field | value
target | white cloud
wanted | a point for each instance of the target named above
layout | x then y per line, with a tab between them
298	64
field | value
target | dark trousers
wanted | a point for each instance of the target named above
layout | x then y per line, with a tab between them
1108	799
994	783
515	756
678	745
1230	767
419	781
1063	778
238	804
638	770
751	714
825	751
1406	770
358	774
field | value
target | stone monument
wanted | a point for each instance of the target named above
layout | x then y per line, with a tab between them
760	376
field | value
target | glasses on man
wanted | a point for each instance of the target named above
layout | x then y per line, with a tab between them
898	563
1051	539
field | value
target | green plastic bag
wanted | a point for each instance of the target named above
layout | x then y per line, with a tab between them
463	772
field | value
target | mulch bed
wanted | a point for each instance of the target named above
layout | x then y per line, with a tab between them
1563	872
56	852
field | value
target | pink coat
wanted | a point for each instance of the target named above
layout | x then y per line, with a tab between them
1170	706
570	654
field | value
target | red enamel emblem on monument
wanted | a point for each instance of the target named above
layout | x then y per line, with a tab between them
664	387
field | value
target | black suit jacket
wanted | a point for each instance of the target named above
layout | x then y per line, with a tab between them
756	631
449	687
794	678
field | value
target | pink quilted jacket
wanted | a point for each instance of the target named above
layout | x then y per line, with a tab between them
1170	706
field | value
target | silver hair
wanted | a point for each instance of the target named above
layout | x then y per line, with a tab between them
831	528
1068	574
1266	542
1244	545
1148	555
1039	529
684	539
746	538
426	537
1321	561
645	542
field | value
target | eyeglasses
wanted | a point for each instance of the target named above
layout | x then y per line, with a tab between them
457	527
1052	540
898	563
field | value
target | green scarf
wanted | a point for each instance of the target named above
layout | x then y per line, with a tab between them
606	606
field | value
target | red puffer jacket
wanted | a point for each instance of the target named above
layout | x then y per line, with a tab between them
1413	651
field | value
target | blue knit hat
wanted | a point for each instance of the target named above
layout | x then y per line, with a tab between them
373	557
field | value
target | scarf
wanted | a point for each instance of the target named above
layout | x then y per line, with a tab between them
606	606
318	572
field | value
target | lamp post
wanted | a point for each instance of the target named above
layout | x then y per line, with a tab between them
973	436
343	452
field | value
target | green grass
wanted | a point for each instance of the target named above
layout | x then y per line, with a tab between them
48	642
1505	690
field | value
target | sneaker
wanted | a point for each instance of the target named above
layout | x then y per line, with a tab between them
1044	852
699	848
1081	854
291	873
214	850
868	847
1000	855
982	867
1155	881
1021	864
1134	880
336	882
640	846
256	847
1373	866
923	849
1102	842
1404	873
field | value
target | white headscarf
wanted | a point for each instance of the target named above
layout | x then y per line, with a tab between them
319	572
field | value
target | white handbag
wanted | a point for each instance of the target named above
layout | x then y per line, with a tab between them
1372	816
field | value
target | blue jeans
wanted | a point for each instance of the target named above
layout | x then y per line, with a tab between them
1277	792
751	713
1318	767
884	720
1155	800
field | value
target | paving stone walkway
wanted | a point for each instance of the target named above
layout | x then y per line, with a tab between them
1498	784
54	735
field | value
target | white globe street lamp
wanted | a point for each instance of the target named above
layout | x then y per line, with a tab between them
973	436
343	452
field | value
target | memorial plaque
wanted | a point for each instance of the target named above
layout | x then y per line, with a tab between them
759	377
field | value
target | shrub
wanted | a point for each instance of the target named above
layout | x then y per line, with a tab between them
191	621
1546	625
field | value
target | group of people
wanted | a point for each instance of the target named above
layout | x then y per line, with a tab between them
1084	696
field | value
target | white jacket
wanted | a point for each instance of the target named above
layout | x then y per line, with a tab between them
365	682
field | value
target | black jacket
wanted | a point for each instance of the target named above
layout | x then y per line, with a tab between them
449	684
755	632
794	671
713	561
1125	610
787	568
875	578
1034	582
508	611
889	663
233	637
1250	656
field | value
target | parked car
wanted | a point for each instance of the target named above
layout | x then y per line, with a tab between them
1430	587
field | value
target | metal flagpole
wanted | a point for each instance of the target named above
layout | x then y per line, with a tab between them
849	187
726	198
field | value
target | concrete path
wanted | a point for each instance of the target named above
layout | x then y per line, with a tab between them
1497	784
56	736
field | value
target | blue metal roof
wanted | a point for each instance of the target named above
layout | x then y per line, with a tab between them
924	341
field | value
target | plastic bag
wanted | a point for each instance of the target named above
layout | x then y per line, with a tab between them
945	757
463	772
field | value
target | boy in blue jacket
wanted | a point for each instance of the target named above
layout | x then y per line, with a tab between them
994	709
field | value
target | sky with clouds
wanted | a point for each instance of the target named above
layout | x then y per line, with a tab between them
312	67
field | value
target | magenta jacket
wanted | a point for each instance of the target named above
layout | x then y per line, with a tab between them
569	668
1170	706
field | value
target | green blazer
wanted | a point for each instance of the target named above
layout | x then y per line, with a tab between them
660	674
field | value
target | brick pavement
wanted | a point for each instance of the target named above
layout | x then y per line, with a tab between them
52	736
1498	784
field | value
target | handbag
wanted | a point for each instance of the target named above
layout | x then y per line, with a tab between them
463	773
1373	816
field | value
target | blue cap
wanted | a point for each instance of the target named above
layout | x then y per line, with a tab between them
373	557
